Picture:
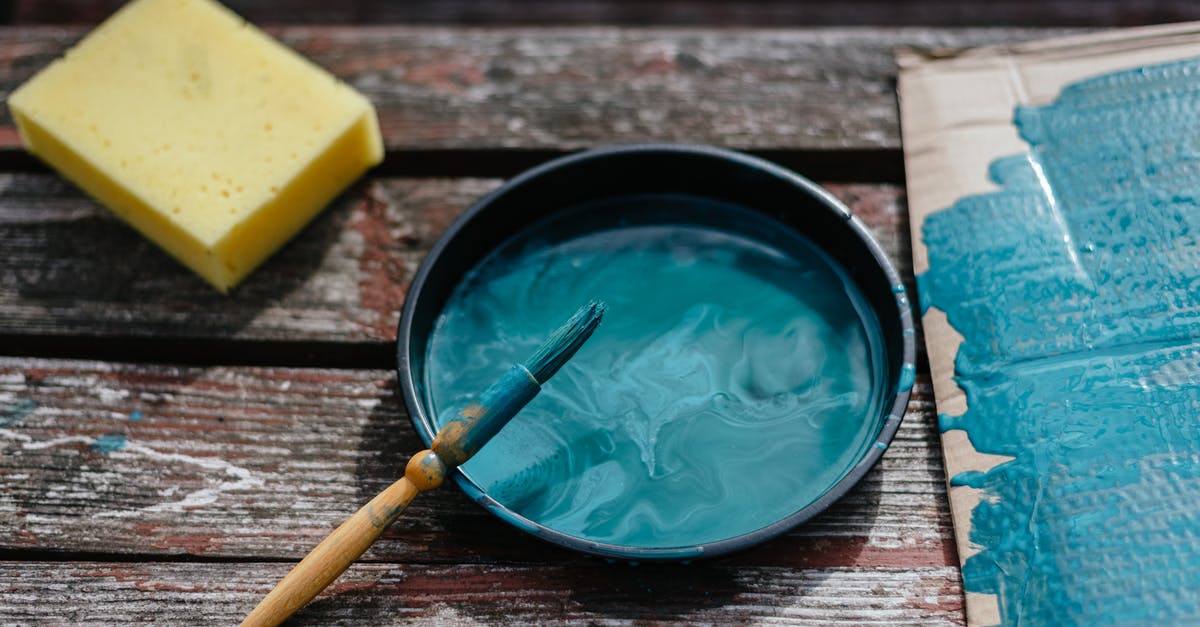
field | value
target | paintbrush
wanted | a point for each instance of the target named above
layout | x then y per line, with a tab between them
455	443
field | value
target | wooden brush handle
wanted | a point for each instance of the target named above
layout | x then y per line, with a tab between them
455	443
334	554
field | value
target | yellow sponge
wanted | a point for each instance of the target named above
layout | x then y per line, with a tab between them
212	139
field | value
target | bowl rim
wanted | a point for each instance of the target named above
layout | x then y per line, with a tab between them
891	423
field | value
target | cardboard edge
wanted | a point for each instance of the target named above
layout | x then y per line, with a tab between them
1069	46
948	396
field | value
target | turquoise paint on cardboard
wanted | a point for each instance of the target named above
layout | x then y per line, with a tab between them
1076	287
736	377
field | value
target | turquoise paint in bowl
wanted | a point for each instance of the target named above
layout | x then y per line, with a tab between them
755	362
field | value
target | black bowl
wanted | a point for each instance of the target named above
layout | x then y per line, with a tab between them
705	172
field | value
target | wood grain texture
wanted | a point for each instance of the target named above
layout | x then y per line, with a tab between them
264	462
565	592
569	88
68	268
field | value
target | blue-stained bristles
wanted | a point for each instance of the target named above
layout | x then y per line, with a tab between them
565	340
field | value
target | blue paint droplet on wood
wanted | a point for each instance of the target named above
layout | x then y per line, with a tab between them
109	443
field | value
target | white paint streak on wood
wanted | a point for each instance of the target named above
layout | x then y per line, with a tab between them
242	478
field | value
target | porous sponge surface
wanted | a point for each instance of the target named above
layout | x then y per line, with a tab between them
208	136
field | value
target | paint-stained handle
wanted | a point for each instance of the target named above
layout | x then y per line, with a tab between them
349	541
475	424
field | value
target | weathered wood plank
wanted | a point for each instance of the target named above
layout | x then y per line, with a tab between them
570	592
263	462
67	267
567	88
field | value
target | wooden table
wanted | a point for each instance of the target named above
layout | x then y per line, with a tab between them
167	453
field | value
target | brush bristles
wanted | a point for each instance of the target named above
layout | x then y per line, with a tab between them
562	344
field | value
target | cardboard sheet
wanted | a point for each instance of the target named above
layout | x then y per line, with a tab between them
957	117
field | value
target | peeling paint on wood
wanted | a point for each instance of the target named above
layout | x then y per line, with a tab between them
570	88
264	462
